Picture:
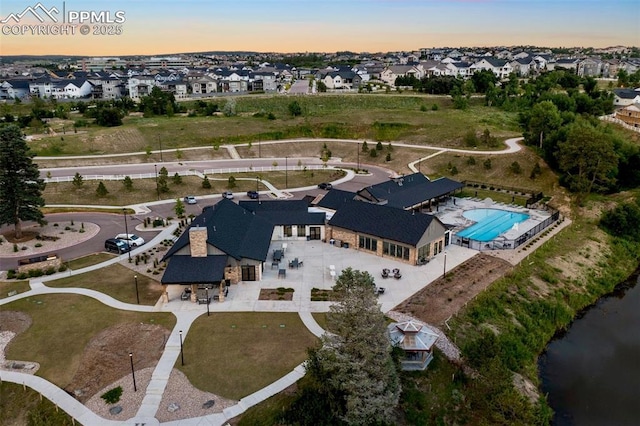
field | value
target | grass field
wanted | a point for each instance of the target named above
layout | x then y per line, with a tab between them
117	282
145	189
7	287
62	325
372	117
236	354
92	259
31	410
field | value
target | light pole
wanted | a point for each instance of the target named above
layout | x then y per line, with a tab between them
126	230
286	168
135	277
258	183
160	142
133	372
155	167
358	157
181	352
444	273
206	294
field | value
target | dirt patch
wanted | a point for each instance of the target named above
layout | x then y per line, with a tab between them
14	321
276	294
106	357
445	297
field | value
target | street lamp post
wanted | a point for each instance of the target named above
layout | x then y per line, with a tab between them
126	230
155	167
257	184
133	372
181	352
444	273
135	277
160	142
286	168
358	157
206	293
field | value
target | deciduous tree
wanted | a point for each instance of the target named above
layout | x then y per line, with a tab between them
20	184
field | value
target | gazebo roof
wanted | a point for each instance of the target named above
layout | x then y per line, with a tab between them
411	336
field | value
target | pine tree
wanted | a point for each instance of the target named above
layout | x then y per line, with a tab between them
205	183
128	183
78	180
101	190
20	184
353	370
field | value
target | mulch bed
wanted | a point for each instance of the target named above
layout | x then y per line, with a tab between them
276	294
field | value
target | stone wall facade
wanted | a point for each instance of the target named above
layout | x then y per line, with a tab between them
198	241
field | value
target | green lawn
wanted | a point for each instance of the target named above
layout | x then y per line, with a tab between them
117	282
89	260
62	325
236	354
7	287
30	410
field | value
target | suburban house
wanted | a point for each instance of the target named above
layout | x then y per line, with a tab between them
390	74
226	243
291	219
499	67
411	192
524	66
416	341
385	231
14	89
626	97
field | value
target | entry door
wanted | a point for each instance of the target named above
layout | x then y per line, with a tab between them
314	232
248	273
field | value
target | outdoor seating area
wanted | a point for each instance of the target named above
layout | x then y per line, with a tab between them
295	263
386	273
278	255
186	294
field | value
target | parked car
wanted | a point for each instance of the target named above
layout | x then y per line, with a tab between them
190	199
132	239
114	245
253	195
228	195
325	185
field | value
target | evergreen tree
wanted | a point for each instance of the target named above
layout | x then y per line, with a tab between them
354	371
205	183
179	208
78	180
20	184
101	190
128	183
177	179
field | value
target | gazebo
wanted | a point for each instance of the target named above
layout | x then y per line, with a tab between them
416	340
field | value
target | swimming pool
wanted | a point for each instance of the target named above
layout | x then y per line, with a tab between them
490	223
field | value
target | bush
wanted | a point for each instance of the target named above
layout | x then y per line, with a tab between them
471	161
487	164
11	274
112	396
50	271
373	152
515	168
205	183
434	107
62	268
22	276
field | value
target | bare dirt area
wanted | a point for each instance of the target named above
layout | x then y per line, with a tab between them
14	321
105	359
445	297
275	294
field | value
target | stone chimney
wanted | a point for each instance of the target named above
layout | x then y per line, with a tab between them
198	241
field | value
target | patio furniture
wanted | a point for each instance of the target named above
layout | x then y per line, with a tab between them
284	247
333	275
396	274
385	273
186	294
379	290
275	265
282	273
278	255
294	263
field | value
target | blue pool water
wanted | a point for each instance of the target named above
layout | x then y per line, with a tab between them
490	223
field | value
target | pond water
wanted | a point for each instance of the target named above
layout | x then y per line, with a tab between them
591	373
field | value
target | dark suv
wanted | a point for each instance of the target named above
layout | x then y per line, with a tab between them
325	185
114	245
253	195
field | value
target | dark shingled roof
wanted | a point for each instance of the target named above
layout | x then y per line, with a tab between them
626	93
410	190
195	270
382	221
290	212
335	198
233	230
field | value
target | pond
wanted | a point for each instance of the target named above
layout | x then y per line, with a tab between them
591	373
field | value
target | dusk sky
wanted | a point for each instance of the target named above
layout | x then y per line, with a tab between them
162	26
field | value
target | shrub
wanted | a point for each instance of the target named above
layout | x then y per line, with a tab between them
373	152
22	276
62	268
454	170
471	161
205	183
487	164
388	157
379	146
515	168
50	270
434	107
423	108
112	396
11	274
